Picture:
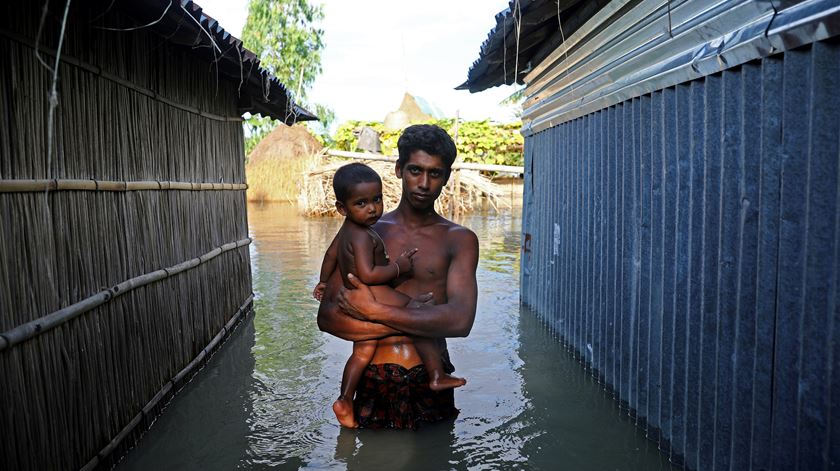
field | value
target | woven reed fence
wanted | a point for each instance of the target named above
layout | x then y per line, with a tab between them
111	219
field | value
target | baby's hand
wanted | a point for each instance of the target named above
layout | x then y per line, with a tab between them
318	292
406	260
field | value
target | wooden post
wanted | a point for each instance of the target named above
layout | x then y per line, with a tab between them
457	122
457	190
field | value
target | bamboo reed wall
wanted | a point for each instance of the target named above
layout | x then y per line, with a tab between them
131	108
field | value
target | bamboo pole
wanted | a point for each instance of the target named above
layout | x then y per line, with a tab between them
29	186
169	389
34	328
456	166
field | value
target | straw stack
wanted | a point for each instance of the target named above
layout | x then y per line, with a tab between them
466	190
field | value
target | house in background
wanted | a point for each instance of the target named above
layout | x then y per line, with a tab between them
681	229
412	110
124	257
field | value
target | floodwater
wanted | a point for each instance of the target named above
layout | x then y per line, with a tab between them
264	399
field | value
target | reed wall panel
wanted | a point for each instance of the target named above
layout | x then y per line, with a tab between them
118	135
684	244
69	391
85	241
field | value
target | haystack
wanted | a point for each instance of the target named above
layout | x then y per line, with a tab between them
284	143
276	163
466	190
412	109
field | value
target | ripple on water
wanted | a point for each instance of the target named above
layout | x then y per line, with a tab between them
527	405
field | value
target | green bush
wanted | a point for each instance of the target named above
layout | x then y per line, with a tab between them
482	142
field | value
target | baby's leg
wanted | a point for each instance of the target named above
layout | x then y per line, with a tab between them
390	296
429	351
343	407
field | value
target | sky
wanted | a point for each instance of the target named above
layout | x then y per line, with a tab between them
375	51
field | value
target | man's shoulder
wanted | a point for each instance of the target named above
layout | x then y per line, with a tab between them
457	234
385	223
462	236
441	227
452	227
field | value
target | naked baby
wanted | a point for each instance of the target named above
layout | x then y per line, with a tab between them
359	250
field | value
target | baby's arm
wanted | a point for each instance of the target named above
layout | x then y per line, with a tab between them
366	268
327	268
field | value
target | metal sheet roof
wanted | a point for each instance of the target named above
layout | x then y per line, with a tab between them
184	22
525	34
622	53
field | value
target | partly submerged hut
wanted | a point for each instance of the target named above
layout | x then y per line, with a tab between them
680	226
124	257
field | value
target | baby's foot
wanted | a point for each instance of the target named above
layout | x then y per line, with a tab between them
446	381
343	409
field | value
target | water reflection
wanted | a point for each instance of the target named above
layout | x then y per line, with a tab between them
264	400
207	426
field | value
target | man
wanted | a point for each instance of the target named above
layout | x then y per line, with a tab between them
394	391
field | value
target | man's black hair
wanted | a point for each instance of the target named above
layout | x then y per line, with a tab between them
352	174
429	138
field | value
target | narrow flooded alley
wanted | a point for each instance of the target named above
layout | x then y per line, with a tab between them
264	400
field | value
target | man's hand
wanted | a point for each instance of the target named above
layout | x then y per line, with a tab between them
427	299
357	302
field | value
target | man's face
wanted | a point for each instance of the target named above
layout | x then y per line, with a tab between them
423	178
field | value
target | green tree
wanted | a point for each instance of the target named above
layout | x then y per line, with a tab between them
514	101
285	36
483	142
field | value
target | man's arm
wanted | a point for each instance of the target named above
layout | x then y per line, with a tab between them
453	319
332	321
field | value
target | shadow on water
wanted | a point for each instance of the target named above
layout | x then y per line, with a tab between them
263	401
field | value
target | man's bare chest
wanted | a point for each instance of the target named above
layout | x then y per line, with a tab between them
432	259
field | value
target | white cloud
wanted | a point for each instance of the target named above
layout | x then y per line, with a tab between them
376	50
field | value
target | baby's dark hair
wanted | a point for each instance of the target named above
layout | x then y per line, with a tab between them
429	138
352	174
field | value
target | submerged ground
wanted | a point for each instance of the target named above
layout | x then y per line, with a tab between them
263	401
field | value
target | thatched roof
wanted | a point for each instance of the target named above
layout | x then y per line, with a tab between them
183	22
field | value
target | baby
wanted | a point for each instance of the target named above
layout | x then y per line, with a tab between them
359	250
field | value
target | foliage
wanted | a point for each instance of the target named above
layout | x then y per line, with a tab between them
483	142
321	129
514	101
283	34
257	127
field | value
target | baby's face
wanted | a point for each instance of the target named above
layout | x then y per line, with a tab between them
364	206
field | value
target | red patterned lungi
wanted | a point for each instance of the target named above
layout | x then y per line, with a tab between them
391	396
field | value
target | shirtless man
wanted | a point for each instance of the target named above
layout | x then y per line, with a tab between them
445	273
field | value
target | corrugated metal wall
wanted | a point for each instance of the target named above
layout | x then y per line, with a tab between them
685	244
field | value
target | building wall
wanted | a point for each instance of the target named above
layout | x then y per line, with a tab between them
685	245
131	107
